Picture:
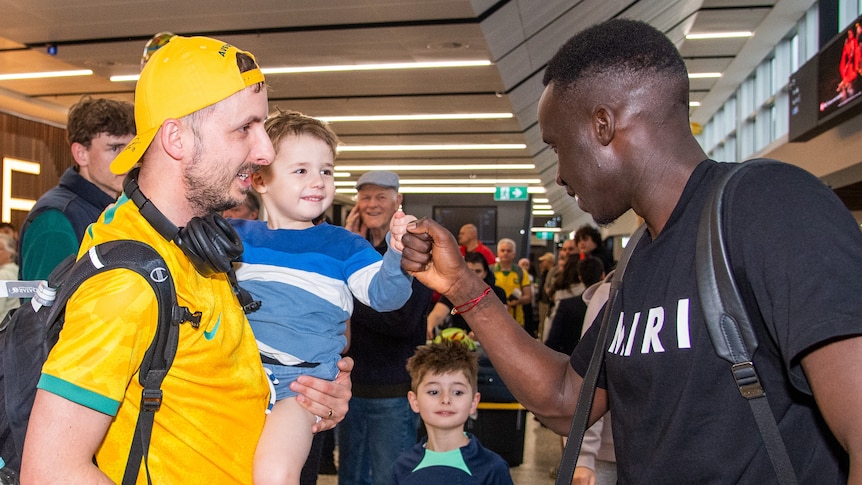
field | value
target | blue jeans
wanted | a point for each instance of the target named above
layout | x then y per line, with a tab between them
371	437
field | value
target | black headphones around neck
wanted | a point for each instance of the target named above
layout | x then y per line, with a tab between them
210	242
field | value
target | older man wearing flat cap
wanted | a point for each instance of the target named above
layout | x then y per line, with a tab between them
377	200
380	424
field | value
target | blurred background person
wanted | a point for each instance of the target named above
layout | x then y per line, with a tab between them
468	240
568	320
98	130
546	262
589	243
248	209
531	309
513	279
9	229
567	284
569	246
8	270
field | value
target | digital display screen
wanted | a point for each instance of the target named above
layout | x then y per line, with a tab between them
804	102
827	90
839	79
483	217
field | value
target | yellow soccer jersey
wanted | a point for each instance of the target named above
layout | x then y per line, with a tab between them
508	281
215	393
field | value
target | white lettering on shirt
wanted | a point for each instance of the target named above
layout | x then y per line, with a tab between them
655	321
682	336
650	339
632	333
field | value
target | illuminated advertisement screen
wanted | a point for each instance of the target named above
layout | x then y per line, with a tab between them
839	79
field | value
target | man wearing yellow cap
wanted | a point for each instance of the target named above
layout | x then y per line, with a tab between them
200	105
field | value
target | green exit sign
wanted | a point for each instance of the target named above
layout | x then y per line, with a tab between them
545	236
510	193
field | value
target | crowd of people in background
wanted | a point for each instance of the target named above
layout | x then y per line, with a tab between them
348	338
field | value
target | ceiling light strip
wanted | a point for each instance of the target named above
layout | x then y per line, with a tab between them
719	35
418	117
348	68
703	75
438	168
545	229
465	181
428	189
43	75
375	67
413	148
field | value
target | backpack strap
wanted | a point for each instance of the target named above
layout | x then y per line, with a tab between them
145	261
588	389
727	320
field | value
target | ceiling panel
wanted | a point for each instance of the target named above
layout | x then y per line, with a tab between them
518	36
701	65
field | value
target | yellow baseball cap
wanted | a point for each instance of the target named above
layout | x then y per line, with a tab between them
186	75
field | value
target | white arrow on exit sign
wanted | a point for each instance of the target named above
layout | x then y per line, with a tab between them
511	193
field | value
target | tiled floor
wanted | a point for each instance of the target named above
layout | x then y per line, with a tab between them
541	455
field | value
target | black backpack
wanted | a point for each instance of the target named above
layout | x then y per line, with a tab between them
27	336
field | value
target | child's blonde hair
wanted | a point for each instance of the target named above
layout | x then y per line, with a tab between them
444	357
286	123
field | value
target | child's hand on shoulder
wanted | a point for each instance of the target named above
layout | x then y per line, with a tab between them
397	228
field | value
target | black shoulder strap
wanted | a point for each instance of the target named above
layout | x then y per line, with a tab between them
144	260
727	321
588	388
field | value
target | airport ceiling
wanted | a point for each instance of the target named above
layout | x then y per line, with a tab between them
516	36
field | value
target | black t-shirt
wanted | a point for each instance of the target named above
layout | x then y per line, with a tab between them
678	417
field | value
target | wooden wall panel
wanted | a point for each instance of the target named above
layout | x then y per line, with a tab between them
33	142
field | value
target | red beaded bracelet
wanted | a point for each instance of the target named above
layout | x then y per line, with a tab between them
470	304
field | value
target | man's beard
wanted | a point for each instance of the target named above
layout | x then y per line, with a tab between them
207	192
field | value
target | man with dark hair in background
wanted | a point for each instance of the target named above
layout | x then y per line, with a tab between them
615	110
98	130
589	241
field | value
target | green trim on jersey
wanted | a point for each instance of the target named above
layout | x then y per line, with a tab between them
78	394
452	458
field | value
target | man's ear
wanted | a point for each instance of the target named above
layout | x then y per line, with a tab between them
171	138
604	124
80	154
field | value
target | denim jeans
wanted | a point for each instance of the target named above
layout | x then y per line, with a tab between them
371	437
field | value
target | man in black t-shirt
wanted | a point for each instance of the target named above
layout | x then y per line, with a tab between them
615	110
